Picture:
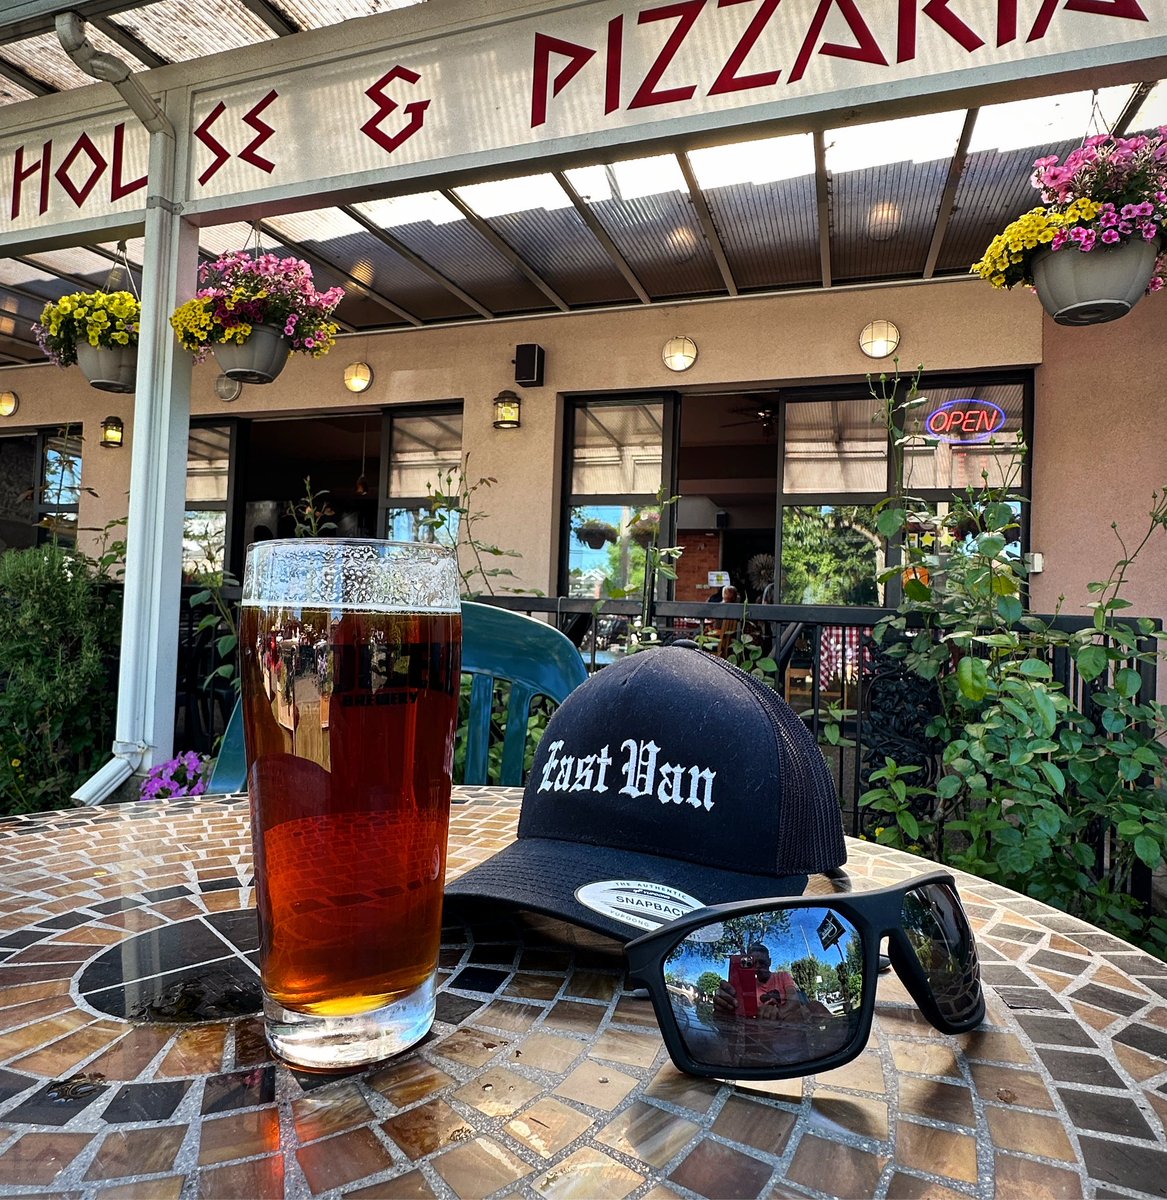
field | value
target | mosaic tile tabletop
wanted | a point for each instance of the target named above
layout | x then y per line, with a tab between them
140	1070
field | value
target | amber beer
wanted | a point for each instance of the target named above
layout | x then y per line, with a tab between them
349	719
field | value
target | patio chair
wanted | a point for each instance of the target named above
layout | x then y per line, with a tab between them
498	647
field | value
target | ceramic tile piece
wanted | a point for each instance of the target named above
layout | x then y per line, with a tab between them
240	1135
1028	1133
572	1016
169	1188
853	1173
472	1047
1051	1031
506	1014
60	1059
498	1092
835	1111
1105	1113
334	1108
475	1169
1004	1085
589	1173
592	986
343	1159
780	1089
686	1091
534	987
718	1172
1138	1065
596	1085
549	1052
428	1127
924	1148
937	1100
128	1056
548	1126
1095	1018
864	1073
36	1159
405	1083
259	1179
633	1049
1024	1179
761	1126
631	1010
137	1152
924	1058
648	1133
903	1186
413	1185
197	1051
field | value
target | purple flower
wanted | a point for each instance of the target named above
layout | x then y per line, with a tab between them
1110	236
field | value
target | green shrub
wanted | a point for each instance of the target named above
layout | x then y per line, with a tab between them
60	624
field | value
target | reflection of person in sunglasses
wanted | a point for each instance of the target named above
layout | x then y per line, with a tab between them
777	997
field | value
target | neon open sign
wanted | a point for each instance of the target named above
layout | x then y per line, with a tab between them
965	420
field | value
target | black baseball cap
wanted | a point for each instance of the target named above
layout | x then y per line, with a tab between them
665	782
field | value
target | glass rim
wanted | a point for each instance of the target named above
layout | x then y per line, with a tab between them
305	542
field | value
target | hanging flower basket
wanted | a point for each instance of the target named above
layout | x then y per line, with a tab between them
269	301
1089	289
257	360
596	534
1092	249
644	531
96	330
108	368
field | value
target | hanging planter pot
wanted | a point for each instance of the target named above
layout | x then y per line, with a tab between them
108	368
259	359
1101	285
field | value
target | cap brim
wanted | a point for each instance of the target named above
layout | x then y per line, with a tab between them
543	875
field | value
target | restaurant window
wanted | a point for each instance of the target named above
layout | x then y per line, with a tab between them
59	485
424	452
616	464
18	477
204	525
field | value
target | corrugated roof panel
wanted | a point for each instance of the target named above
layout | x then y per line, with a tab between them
179	31
769	231
645	208
882	219
457	250
537	219
315	14
12	93
76	261
44	58
337	237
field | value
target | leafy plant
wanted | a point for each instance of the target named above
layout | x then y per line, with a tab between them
61	616
1054	794
311	512
453	521
107	319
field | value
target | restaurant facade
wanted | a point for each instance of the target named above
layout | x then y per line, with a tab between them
769	427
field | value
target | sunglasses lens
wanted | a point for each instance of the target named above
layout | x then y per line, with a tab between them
942	940
780	989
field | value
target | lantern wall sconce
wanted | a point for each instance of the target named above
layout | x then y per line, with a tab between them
879	339
9	403
680	353
507	409
358	377
112	432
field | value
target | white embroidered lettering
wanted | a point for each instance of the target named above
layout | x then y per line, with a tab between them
671	775
549	766
566	770
697	776
583	773
603	762
640	769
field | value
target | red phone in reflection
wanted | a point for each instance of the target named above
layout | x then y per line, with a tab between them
743	976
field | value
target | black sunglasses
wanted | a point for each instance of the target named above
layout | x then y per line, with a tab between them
769	989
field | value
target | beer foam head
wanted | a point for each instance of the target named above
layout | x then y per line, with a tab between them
670	769
352	573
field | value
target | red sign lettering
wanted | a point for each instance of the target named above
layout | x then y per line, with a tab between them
687	11
414	110
78	184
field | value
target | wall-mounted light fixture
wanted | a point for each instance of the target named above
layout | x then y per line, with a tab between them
358	377
879	339
680	353
228	389
112	432
507	408
9	403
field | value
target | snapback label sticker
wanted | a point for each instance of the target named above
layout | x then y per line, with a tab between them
635	902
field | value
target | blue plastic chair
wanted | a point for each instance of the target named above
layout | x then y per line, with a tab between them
534	658
497	647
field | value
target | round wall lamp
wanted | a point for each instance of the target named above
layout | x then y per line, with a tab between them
228	389
112	432
358	377
9	403
680	353
507	410
879	339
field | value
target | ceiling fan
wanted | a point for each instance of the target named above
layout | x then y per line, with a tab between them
765	415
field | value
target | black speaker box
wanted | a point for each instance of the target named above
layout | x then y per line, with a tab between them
529	365
722	519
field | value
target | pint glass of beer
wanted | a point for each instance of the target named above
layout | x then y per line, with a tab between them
351	656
